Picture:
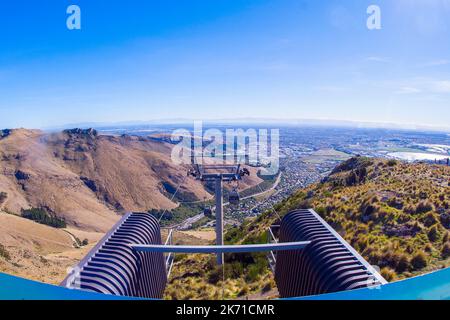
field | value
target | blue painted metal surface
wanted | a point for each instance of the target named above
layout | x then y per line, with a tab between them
112	267
14	288
433	286
329	264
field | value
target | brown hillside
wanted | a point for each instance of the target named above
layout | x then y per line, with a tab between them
126	171
88	179
38	252
31	176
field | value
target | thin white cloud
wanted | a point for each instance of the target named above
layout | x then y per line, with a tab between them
421	85
425	16
331	89
408	90
441	86
378	59
436	63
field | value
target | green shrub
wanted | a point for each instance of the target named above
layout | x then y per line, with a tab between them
433	234
403	264
267	287
369	212
305	204
77	243
321	211
351	179
4	253
234	270
43	217
256	269
215	276
392	163
446	250
388	274
446	237
253	273
179	257
424	207
244	291
429	220
3	197
419	261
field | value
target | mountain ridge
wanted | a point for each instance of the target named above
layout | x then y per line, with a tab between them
87	178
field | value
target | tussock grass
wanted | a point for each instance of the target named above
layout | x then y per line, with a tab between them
396	214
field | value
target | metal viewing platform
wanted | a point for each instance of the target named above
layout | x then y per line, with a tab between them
222	249
329	264
113	267
307	255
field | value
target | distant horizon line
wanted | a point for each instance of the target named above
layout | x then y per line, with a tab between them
250	120
255	120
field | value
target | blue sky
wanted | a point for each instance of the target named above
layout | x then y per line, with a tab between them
203	59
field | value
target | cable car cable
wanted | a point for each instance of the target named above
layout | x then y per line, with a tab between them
173	196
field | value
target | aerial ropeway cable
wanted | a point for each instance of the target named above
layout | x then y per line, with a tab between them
173	197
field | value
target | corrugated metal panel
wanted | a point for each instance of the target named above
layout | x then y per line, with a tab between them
328	264
113	267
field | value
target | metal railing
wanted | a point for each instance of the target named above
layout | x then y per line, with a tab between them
272	238
284	246
169	256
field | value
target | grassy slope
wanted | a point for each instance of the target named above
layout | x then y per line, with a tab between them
199	277
393	213
39	252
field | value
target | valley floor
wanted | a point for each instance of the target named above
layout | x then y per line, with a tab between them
38	252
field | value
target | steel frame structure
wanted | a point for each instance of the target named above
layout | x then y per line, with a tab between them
272	238
169	257
218	173
113	267
329	264
285	246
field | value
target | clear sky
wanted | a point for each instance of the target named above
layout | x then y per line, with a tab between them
212	59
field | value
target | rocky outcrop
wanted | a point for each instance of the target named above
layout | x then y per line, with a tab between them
21	176
89	183
406	230
4	133
91	133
